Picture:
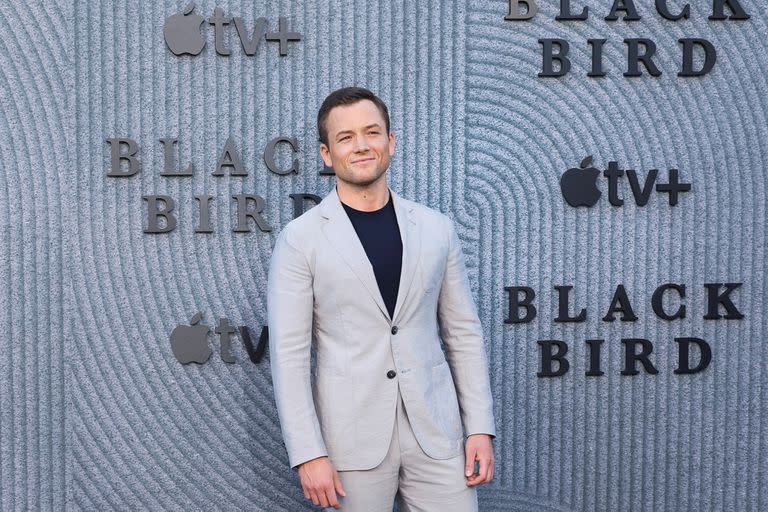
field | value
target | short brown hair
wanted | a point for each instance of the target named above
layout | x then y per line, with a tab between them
347	96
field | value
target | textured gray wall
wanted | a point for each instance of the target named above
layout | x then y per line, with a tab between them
95	411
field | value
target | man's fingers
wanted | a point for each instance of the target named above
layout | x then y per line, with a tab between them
323	500
337	484
474	480
485	471
314	498
482	470
321	492
319	480
469	467
479	478
330	494
488	470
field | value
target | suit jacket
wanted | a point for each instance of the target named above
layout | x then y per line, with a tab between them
322	290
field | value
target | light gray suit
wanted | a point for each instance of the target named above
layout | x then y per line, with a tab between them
322	288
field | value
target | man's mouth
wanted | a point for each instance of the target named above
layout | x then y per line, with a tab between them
361	161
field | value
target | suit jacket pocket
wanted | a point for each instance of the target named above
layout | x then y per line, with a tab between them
335	397
446	403
430	277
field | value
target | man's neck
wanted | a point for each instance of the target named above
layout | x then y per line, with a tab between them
367	199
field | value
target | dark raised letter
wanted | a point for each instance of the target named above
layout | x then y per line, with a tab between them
597	57
547	357
631	358
547	70
715	299
130	155
628	6
230	158
205	225
718	13
683	364
620	302
154	214
642	195
169	169
657	301
562	306
661	7
219	21
565	12
594	358
515	303
298	201
710	57
243	213
515	14
634	57
613	173
269	155
251	44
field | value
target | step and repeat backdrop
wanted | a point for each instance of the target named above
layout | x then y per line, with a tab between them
604	162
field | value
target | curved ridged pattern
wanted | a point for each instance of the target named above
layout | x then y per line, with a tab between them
97	414
646	442
35	136
146	431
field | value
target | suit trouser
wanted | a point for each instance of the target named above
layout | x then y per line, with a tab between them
418	482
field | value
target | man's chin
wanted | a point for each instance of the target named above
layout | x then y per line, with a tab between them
363	181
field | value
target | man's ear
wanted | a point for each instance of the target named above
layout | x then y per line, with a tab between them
391	143
325	153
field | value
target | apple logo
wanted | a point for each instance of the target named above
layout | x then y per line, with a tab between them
189	343
578	185
182	32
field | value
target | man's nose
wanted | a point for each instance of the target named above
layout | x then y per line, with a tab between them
361	144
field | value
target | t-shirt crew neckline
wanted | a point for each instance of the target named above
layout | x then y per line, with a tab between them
363	212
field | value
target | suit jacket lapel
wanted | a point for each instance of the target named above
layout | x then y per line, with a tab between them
411	249
342	236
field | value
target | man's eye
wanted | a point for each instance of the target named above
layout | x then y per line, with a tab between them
344	138
374	132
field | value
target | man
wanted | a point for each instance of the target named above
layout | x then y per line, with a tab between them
376	281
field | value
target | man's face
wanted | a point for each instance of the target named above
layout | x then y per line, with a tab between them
359	146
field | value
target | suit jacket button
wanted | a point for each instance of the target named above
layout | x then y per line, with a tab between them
394	329
391	374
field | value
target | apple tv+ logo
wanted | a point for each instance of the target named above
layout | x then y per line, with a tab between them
183	37
579	185
189	343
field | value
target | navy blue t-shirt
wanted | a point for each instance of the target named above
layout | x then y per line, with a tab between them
380	235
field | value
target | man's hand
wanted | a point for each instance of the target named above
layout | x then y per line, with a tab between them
479	447
321	482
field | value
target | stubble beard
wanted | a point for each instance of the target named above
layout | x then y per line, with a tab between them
365	182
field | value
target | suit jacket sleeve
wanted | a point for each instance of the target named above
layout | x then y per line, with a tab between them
462	336
289	310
